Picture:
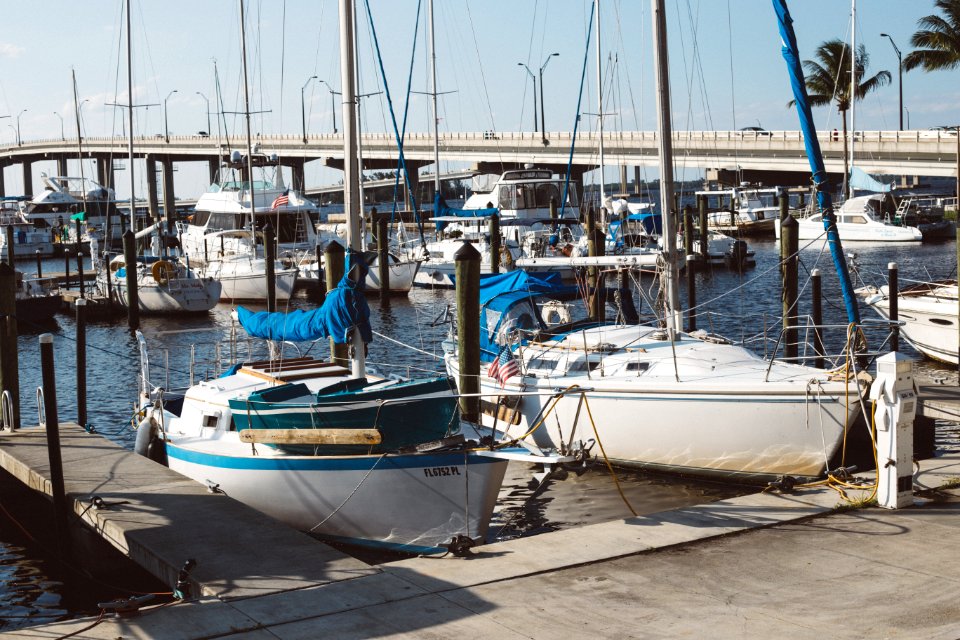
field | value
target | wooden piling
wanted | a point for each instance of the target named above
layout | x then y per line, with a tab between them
702	211
9	240
494	232
691	291
333	258
270	259
9	357
554	212
80	260
893	296
383	255
52	425
789	245
130	266
39	264
81	315
816	314
66	265
467	260
688	234
591	271
318	256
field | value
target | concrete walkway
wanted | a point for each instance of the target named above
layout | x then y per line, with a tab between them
757	566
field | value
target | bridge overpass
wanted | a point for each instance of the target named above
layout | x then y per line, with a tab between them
911	153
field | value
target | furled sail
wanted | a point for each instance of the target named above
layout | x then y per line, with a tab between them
863	181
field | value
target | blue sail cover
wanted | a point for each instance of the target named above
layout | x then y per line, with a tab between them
342	310
441	208
860	179
791	55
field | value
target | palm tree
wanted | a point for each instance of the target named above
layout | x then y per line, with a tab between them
828	81
938	40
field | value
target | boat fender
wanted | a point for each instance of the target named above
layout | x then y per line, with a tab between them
161	271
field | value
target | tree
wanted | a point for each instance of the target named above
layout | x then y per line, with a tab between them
828	81
938	40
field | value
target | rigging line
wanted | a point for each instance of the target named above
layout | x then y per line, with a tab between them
406	112
393	115
576	122
403	344
283	57
483	80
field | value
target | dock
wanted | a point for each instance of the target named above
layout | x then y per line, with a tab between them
939	401
761	565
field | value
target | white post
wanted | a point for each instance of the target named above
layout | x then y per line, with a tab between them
896	407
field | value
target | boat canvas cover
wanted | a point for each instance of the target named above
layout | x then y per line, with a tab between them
860	179
343	309
501	293
442	209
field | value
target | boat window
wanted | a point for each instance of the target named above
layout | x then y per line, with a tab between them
517	196
855	220
941	321
638	366
545	191
200	218
286	225
581	364
541	364
225	221
520	317
491	319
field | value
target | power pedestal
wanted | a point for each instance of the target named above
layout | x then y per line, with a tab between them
896	406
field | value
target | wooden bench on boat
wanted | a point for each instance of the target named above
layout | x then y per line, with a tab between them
281	371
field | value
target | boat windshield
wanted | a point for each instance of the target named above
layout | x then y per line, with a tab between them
533	195
244	185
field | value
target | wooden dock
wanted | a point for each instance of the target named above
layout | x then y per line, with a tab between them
939	401
260	579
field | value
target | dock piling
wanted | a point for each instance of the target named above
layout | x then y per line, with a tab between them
270	258
702	214
9	241
52	426
494	231
80	261
81	309
595	247
893	296
39	264
789	245
9	357
383	254
66	265
318	255
467	260
692	291
130	266
816	314
333	257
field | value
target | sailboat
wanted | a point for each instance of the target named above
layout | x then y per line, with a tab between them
306	441
653	397
164	285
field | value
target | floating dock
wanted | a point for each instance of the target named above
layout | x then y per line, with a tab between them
256	578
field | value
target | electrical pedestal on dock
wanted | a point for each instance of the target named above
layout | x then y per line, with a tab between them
896	406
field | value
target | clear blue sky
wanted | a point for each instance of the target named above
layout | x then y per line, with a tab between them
479	43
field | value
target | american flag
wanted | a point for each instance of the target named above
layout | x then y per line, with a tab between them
281	200
504	366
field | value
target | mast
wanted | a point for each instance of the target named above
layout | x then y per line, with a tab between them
433	94
246	112
133	200
665	155
360	196
599	100
76	115
853	87
351	191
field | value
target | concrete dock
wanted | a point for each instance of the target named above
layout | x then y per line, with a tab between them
763	565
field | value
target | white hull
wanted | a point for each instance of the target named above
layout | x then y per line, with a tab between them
412	502
402	275
930	321
193	295
246	279
879	232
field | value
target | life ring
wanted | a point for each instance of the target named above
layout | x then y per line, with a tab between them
162	271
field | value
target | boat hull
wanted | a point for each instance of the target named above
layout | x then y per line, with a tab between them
930	323
408	502
192	295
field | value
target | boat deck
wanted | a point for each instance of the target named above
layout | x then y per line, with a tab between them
522	588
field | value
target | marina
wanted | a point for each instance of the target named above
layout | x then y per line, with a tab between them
263	384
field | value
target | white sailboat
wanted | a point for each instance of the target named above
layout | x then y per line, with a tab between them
439	496
660	398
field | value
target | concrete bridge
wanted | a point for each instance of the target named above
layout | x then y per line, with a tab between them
776	157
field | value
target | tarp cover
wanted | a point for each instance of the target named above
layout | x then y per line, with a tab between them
441	208
343	309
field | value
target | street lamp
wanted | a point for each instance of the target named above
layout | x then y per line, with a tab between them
543	124
900	70
166	130
19	139
534	78
303	109
208	110
62	136
333	105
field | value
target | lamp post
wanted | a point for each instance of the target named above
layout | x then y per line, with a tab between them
303	109
62	136
333	104
543	123
19	139
534	78
166	129
900	71
208	110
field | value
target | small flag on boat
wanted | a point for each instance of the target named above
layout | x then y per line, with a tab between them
281	200
504	366
80	215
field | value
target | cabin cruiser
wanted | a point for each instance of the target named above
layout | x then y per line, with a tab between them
28	237
862	218
63	197
743	210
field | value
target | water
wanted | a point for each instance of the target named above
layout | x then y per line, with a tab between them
750	303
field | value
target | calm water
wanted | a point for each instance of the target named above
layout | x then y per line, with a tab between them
750	302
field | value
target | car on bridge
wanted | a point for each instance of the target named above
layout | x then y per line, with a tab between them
758	131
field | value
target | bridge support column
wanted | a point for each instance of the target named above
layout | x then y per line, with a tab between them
62	169
213	167
636	179
298	181
169	195
28	177
413	189
623	178
153	206
105	172
3	184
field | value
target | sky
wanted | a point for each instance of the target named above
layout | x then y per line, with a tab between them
725	66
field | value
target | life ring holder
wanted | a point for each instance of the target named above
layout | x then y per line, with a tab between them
161	271
556	308
6	410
